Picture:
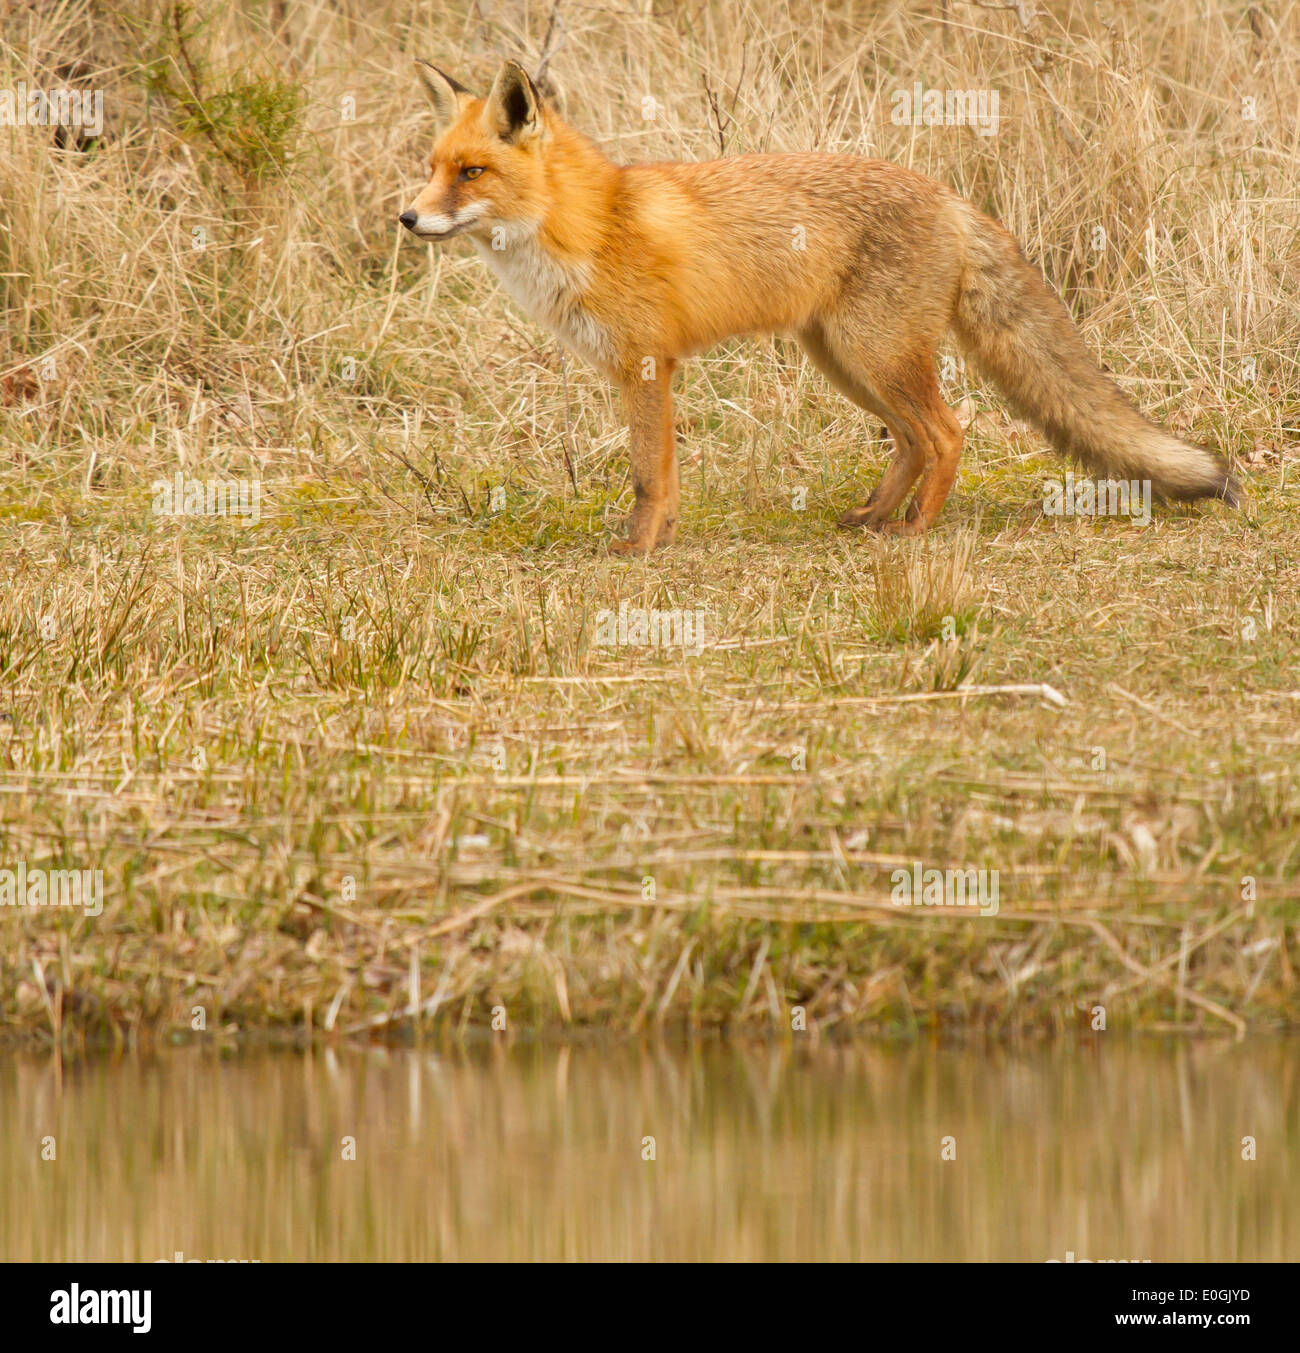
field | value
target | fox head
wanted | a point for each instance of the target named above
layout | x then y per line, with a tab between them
486	168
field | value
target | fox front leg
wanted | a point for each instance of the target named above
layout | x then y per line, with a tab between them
647	397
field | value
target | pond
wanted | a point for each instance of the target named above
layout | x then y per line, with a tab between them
1114	1150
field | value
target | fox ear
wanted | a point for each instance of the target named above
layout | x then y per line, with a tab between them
448	97
514	107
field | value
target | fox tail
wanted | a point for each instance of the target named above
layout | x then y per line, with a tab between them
1017	332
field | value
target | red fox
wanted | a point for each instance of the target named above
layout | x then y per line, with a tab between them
637	267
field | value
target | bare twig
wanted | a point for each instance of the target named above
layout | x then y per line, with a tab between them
568	457
556	37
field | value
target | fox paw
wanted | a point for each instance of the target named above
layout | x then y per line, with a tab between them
646	540
905	526
626	548
869	518
861	518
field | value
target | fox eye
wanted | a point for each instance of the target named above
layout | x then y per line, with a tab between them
472	172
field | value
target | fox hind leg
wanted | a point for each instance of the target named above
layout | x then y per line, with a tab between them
933	422
937	479
848	379
905	395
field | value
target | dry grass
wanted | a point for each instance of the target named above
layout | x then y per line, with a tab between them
921	592
368	753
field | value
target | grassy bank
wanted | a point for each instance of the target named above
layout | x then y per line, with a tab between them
368	753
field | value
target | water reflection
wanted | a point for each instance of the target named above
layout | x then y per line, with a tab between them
1106	1151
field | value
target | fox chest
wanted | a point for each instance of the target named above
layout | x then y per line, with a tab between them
550	292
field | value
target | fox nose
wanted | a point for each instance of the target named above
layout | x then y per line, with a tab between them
408	219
